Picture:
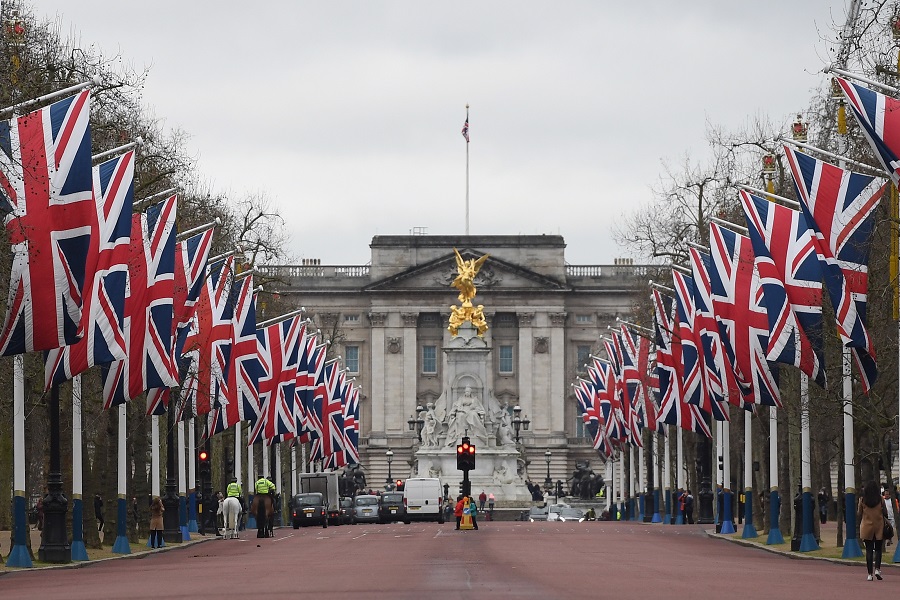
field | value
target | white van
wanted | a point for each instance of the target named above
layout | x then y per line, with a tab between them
424	499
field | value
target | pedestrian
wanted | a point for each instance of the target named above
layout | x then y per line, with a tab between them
98	511
689	507
482	498
682	496
473	512
823	506
156	522
889	513
135	512
491	504
458	511
870	513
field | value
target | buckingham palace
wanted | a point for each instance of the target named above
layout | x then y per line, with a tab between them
389	322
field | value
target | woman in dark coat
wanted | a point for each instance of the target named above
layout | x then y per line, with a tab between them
869	513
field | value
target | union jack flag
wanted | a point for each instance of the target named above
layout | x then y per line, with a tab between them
840	205
618	392
720	376
306	350
693	387
46	193
148	308
207	348
190	266
103	313
278	354
333	418
791	278
627	351
879	119
591	415
351	423
312	407
742	315
242	398
669	371
605	382
465	129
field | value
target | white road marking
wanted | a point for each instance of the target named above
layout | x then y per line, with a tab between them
359	536
284	538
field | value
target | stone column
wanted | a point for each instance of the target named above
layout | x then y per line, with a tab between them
410	362
558	389
378	348
526	383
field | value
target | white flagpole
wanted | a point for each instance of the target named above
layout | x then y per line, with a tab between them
121	545
667	476
808	540
727	517
279	483
154	456
641	506
749	529
294	471
19	555
679	467
775	536
238	452
182	508
79	552
192	517
251	490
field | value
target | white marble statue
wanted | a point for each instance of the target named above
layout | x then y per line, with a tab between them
502	475
504	430
466	417
432	428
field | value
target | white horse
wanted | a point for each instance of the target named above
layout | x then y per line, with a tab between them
231	511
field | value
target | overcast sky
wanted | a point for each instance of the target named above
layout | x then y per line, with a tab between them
348	114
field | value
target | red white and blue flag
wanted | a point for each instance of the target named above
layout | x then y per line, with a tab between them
669	365
242	392
465	129
103	313
333	418
879	118
791	277
148	309
840	206
278	353
742	315
351	423
47	196
190	267
207	348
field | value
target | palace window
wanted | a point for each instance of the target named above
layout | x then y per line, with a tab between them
351	319
582	355
351	358
584	319
506	359
429	359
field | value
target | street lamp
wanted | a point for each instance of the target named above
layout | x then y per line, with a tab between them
416	423
548	483
390	458
518	422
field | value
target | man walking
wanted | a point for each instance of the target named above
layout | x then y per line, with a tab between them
689	507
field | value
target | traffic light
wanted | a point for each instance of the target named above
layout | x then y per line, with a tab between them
203	462
465	455
399	483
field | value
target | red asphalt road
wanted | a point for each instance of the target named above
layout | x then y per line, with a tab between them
426	560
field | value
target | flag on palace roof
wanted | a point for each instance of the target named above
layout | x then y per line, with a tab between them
47	198
791	277
742	318
840	206
103	312
148	308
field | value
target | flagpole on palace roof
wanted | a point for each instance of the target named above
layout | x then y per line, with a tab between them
465	133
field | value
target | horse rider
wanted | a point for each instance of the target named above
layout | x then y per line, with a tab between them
234	491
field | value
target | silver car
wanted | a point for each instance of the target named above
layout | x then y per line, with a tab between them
365	509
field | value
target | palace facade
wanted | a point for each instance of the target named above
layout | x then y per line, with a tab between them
389	321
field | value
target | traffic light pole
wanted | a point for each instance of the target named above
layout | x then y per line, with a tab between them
467	485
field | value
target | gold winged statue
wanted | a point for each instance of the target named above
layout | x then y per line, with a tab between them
465	283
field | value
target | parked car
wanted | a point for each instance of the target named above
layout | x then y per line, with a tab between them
537	513
392	508
365	509
308	509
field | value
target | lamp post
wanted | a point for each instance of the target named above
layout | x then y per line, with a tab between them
416	422
390	458
518	422
548	483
